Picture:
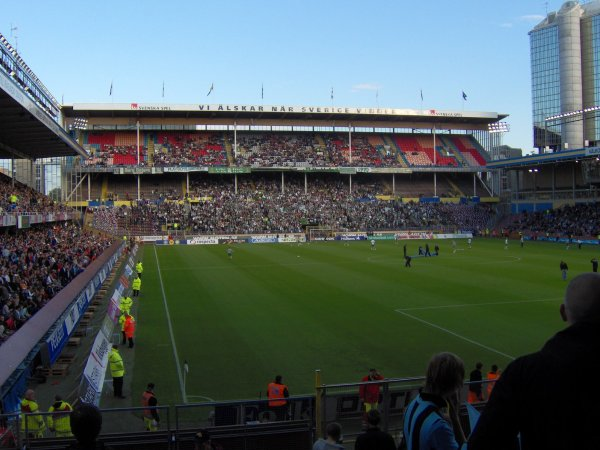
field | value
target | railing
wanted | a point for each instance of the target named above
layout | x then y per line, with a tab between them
247	424
547	195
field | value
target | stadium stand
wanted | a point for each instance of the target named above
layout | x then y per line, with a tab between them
468	148
36	264
27	201
260	206
256	149
579	221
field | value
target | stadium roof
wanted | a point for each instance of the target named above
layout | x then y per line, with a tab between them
338	115
545	158
26	131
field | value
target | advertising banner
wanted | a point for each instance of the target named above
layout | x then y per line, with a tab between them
203	240
414	235
57	341
262	239
113	307
351	237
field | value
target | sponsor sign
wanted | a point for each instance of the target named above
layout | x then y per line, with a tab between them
203	240
57	341
72	318
94	372
100	349
351	237
113	307
255	108
414	235
90	290
87	392
153	238
296	238
107	326
453	236
262	239
229	170
232	240
185	169
383	237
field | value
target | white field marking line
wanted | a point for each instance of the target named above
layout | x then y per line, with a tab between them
202	396
445	330
162	288
466	305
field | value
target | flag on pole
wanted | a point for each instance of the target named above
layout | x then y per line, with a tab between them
212	86
110	91
421	94
464	95
163	91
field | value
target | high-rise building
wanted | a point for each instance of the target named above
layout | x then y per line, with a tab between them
565	77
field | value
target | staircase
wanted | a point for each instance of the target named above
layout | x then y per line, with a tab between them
150	154
228	150
455	188
104	193
457	154
399	154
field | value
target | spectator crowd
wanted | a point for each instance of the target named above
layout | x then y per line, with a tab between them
262	206
35	264
571	221
17	198
254	149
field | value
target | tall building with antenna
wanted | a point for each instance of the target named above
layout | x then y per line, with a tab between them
565	77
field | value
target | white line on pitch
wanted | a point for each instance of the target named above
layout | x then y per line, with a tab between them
445	330
466	305
162	288
201	396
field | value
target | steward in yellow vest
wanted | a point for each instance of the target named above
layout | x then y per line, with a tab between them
60	420
31	423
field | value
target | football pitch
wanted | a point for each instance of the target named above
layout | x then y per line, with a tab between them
339	307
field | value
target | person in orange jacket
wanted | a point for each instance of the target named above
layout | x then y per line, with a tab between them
492	376
277	393
129	328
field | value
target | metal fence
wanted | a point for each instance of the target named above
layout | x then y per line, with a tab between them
242	424
341	403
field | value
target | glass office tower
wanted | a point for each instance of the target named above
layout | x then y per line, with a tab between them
565	77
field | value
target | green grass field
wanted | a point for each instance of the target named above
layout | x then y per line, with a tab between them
290	309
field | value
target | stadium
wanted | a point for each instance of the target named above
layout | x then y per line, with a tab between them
317	243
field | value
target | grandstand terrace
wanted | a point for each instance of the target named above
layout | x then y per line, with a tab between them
144	144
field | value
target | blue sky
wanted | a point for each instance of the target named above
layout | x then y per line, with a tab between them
298	50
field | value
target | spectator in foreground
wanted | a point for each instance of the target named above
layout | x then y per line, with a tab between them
332	441
86	423
542	396
374	438
432	417
203	441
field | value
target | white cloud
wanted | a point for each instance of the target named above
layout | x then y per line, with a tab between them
506	25
366	87
532	18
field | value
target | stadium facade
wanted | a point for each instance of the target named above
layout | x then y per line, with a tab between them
565	76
